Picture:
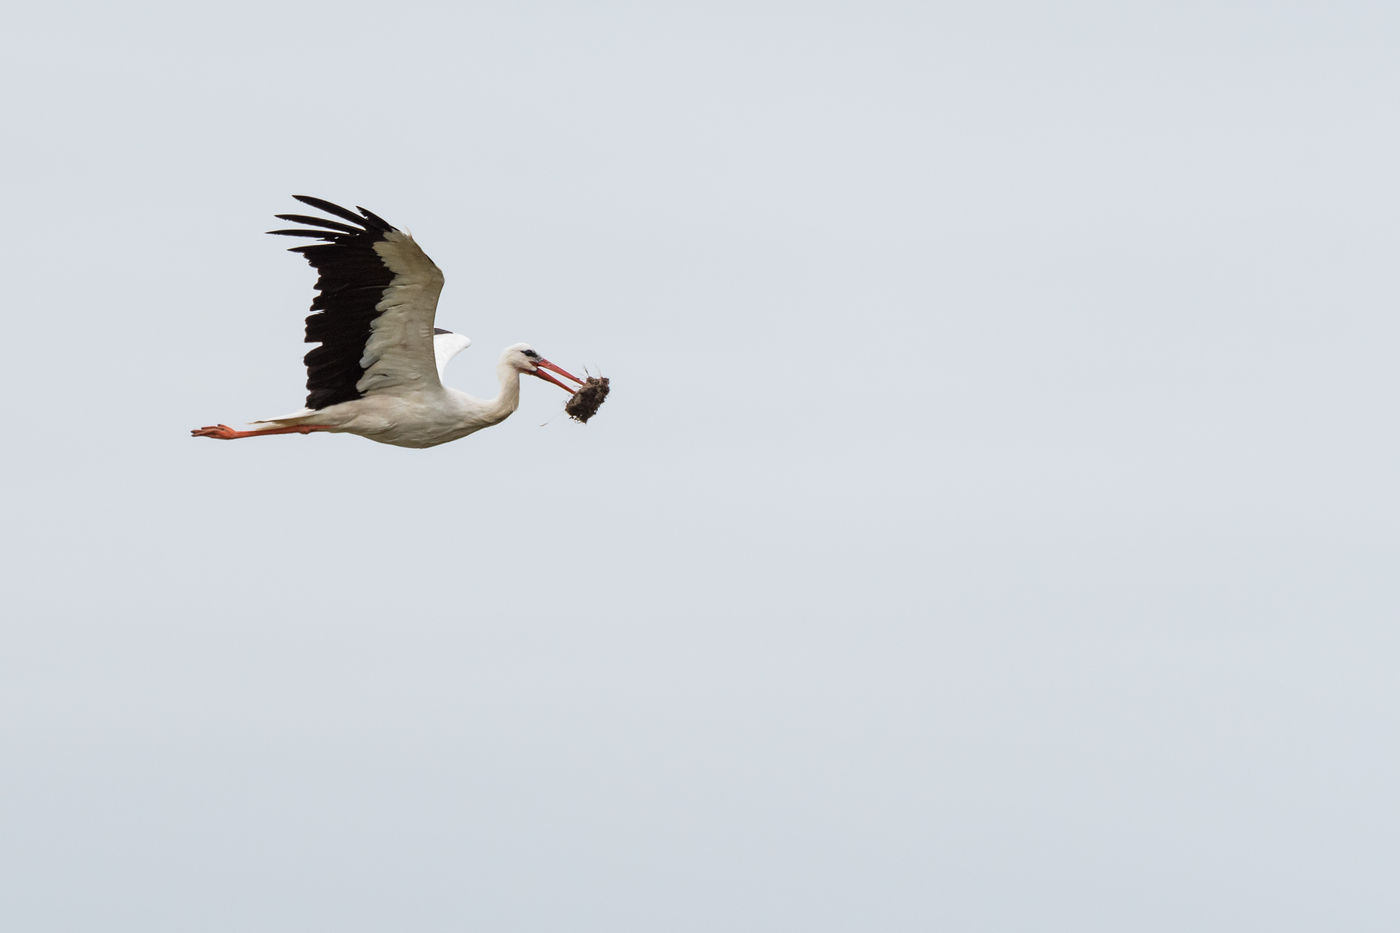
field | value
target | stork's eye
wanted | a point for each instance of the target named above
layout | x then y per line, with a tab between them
531	354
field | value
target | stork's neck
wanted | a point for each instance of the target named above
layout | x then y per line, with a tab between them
504	404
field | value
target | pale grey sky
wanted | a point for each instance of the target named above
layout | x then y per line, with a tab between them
992	527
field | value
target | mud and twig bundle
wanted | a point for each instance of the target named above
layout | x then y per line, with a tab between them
584	403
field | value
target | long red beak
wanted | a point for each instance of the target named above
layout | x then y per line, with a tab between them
546	364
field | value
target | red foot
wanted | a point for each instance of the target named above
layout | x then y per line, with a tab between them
223	432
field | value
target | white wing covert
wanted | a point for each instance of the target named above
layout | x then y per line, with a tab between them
446	345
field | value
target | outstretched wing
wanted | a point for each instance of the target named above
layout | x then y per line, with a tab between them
373	314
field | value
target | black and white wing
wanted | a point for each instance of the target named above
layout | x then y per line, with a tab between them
373	314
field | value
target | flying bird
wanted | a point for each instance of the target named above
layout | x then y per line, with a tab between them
378	370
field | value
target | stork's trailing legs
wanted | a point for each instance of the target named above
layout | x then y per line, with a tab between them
223	432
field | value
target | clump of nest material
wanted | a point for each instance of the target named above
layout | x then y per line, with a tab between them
584	403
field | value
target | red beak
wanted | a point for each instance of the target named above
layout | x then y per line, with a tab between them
546	364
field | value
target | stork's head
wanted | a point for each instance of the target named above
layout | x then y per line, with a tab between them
523	358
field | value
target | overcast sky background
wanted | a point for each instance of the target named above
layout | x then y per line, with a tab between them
992	526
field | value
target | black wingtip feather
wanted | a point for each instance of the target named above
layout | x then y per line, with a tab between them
330	208
375	219
320	222
330	235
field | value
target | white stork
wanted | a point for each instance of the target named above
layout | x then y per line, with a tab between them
378	370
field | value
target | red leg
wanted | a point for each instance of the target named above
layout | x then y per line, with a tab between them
223	432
